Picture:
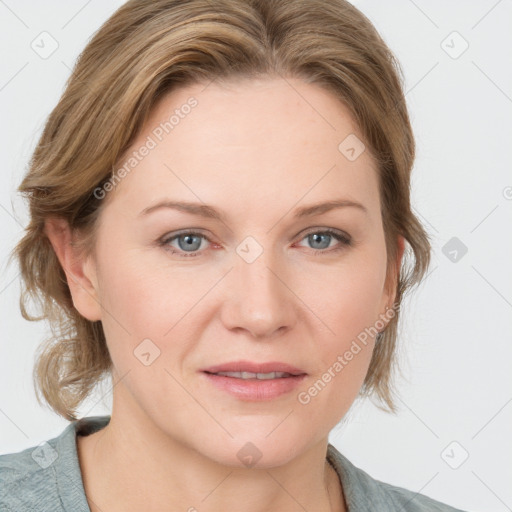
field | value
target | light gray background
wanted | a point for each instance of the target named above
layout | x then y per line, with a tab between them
456	337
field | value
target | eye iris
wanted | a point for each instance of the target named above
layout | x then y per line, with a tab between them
314	238
189	244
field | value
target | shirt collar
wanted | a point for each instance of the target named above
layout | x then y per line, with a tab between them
362	492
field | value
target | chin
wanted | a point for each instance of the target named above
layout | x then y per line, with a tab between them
258	451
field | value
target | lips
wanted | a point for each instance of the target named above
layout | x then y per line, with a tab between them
254	382
259	376
249	367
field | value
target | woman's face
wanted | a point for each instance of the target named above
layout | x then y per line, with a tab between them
255	281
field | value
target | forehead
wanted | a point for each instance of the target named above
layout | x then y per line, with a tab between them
249	141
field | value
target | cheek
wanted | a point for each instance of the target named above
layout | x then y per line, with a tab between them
144	293
349	304
351	297
149	302
350	308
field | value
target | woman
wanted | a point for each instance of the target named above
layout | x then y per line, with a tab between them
219	214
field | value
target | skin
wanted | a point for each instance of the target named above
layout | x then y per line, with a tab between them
257	150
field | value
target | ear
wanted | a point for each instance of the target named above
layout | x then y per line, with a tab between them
392	281
80	272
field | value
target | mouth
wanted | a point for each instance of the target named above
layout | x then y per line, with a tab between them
257	376
253	370
250	381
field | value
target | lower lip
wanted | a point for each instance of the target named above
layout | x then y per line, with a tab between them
254	389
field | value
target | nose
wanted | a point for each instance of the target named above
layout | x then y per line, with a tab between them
259	301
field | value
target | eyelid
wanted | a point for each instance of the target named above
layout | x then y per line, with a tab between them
339	232
169	237
164	243
344	239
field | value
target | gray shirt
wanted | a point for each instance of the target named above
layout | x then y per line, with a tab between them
47	478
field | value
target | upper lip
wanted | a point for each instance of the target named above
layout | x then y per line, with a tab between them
253	367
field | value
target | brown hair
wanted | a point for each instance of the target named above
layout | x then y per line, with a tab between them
146	49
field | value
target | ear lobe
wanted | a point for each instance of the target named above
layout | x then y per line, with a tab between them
80	274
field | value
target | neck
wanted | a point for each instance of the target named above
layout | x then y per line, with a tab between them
133	465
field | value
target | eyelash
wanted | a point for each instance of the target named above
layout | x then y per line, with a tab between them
345	241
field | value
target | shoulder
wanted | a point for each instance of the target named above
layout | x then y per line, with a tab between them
365	493
47	477
413	501
29	479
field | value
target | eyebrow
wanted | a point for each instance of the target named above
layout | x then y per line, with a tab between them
207	211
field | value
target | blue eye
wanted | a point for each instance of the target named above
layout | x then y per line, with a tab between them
321	239
189	242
